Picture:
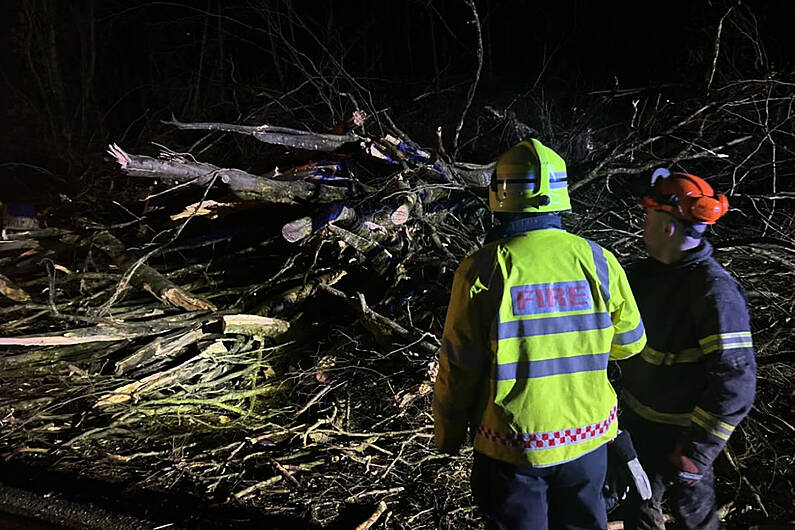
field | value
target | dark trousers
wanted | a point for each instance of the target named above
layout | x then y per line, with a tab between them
693	507
566	496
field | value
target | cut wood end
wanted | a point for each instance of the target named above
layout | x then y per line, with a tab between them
297	230
401	215
254	325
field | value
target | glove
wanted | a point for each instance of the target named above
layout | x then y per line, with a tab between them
624	456
640	479
685	471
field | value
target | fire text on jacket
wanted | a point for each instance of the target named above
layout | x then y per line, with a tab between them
551	297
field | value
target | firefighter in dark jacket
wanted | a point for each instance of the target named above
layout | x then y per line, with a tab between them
695	380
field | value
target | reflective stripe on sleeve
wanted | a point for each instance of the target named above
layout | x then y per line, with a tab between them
628	337
658	358
650	414
602	270
553	325
711	423
549	367
462	356
726	341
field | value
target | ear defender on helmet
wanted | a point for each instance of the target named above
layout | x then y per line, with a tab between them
709	209
685	196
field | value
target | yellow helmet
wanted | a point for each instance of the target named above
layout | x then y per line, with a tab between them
529	177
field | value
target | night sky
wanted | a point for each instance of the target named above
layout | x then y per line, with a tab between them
77	75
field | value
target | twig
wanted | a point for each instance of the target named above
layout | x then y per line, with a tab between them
380	509
473	87
717	47
754	491
391	491
258	486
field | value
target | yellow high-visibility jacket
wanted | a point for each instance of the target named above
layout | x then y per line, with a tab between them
532	322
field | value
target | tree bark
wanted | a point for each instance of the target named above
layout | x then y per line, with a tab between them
270	134
242	184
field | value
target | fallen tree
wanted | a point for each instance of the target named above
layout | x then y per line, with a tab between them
267	337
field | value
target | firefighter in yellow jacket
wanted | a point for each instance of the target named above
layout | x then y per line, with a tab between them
534	317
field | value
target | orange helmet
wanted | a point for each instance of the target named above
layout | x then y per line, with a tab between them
686	197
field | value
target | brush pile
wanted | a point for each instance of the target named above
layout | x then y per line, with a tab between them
267	337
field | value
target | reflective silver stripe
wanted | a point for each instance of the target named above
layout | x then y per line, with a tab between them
712	424
553	325
462	356
628	337
557	180
726	341
547	367
602	270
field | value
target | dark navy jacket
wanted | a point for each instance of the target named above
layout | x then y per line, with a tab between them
698	370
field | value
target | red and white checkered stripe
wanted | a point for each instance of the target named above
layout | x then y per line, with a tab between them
535	441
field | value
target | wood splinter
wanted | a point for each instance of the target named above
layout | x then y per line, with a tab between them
254	325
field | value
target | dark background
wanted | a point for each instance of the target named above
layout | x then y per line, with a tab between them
79	75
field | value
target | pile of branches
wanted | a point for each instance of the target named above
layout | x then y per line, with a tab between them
267	337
